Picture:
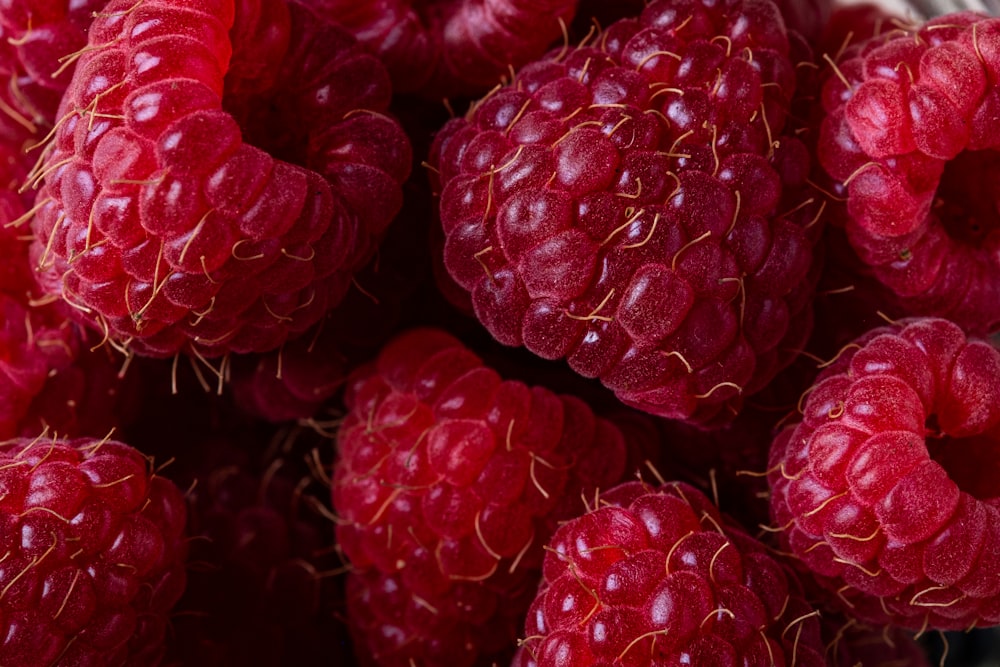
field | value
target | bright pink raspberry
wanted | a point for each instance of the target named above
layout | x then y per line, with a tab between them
622	204
94	554
443	48
655	576
910	135
448	483
887	488
216	176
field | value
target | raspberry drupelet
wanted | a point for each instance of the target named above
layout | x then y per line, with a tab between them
94	552
910	134
448	483
887	488
622	204
218	172
656	576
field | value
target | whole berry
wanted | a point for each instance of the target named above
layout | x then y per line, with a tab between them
654	576
621	204
94	551
910	136
448	483
218	173
886	490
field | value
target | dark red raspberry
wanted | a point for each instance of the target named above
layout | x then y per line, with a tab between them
887	489
197	200
94	554
35	343
654	576
294	381
442	48
850	643
621	204
448	484
910	134
262	589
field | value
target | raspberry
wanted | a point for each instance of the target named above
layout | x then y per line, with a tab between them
886	489
263	594
209	194
291	383
449	482
909	134
94	554
652	576
40	33
620	205
35	343
443	48
850	644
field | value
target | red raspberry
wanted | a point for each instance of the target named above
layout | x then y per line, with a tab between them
653	576
45	38
620	205
294	381
262	593
175	215
448	484
443	48
35	343
94	554
853	644
910	134
887	489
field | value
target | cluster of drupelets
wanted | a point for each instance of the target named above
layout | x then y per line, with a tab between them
662	341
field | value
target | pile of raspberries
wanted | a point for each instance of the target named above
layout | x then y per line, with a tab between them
498	333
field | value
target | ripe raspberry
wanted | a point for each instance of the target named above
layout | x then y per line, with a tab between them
294	381
620	205
443	48
911	137
853	644
35	343
722	599
94	554
262	592
40	35
210	194
449	482
887	489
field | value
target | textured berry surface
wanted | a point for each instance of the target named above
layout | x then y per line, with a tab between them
449	482
441	48
910	134
650	577
94	550
620	205
887	490
216	175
